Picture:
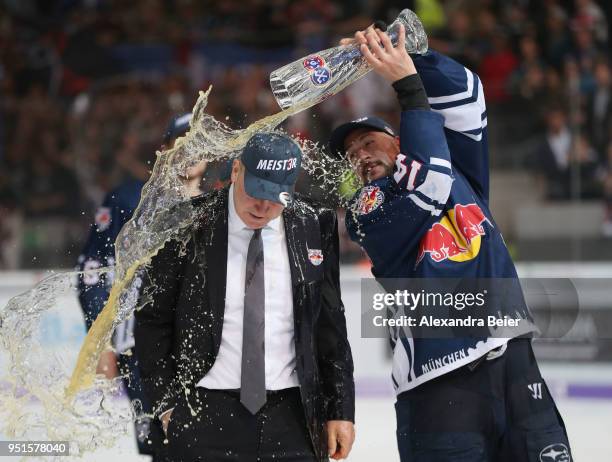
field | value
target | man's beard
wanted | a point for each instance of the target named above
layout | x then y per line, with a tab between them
372	168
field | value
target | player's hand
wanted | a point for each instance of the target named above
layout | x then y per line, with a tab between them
165	420
352	40
340	438
392	63
107	365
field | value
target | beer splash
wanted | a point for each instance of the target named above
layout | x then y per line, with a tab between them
82	402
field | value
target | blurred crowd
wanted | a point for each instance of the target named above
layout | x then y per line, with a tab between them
89	85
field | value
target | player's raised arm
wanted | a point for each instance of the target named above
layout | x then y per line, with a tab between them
453	91
456	93
408	180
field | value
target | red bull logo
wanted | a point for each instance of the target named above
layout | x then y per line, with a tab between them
456	237
370	199
315	256
469	219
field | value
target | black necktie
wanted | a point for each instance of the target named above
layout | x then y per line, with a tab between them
253	373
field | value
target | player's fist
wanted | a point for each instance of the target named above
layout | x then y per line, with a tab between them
393	63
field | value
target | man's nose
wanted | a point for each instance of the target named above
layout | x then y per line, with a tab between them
363	155
262	205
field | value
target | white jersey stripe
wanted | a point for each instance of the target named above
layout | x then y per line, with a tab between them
440	162
457	96
425	206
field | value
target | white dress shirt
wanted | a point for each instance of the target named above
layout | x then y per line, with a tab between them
560	145
279	327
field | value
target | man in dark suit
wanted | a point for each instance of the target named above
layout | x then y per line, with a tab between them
241	338
599	109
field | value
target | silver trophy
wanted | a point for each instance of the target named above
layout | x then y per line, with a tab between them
318	76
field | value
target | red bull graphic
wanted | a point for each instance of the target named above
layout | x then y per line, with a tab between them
469	219
439	243
370	199
315	256
456	237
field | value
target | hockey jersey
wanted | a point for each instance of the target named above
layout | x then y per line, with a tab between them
431	218
99	251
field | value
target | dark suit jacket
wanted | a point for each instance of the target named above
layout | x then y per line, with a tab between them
178	329
599	129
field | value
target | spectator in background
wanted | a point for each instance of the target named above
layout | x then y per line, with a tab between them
599	109
585	52
10	227
553	155
559	154
607	191
496	68
590	16
557	42
485	28
528	81
77	55
457	40
584	180
50	187
313	19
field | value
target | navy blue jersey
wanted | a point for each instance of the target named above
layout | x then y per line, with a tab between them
456	92
431	218
117	208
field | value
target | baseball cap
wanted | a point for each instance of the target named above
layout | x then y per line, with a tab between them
177	126
272	162
336	141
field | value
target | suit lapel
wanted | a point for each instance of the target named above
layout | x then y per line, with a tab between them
216	265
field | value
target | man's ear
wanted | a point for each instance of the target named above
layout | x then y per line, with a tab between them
396	144
235	170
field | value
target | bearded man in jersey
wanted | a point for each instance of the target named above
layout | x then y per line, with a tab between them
423	212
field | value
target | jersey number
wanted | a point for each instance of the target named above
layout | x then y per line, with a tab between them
402	170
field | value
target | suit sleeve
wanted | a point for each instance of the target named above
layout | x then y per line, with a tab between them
154	326
457	94
334	352
389	216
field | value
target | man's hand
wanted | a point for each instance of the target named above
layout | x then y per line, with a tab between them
165	420
375	45
340	438
107	365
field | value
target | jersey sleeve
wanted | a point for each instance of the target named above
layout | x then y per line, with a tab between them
99	251
389	216
457	94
